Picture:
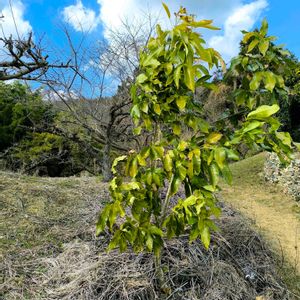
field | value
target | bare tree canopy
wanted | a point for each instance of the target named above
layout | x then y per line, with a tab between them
23	59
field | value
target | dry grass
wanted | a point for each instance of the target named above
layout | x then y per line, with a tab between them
49	251
276	214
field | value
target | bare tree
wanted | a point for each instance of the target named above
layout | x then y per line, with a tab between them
91	98
85	86
23	59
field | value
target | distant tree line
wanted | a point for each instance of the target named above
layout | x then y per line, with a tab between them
67	132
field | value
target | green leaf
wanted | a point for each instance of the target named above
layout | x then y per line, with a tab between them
255	82
189	77
270	81
227	175
196	164
252	125
168	68
133	167
167	10
182	172
205	237
176	129
263	47
116	161
214	174
220	156
233	155
177	75
157	109
149	243
263	112
137	130
181	102
252	45
135	111
114	243
213	137
175	185
155	230
264	27
141	78
285	138
182	145
168	164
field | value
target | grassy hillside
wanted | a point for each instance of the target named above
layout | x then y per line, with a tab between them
274	213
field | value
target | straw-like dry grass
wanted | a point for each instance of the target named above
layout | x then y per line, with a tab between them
49	251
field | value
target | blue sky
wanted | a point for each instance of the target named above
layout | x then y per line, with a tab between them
92	19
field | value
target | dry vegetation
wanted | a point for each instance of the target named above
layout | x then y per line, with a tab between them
274	213
49	251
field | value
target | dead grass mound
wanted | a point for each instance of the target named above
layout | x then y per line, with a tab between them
238	266
51	252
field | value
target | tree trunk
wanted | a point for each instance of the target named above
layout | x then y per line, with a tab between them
106	164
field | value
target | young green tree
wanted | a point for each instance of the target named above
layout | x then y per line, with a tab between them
185	151
264	73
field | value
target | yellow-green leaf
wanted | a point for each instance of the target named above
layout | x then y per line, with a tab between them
141	78
205	237
189	77
213	137
270	81
181	102
177	75
133	167
167	10
176	129
168	164
252	45
263	47
255	82
182	145
220	156
157	109
116	161
263	112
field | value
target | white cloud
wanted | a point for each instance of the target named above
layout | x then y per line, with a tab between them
80	18
231	15
242	18
113	11
13	21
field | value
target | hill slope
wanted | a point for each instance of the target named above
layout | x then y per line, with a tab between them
275	213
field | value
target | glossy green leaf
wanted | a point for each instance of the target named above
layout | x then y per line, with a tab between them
263	47
189	77
220	156
253	44
263	112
